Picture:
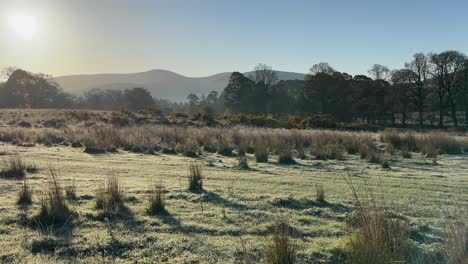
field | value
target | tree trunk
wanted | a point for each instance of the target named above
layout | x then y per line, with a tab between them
441	111
453	110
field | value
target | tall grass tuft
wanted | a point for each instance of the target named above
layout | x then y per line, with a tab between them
456	230
319	193
110	196
70	191
195	178
242	162
261	153
53	208
281	249
156	199
379	238
25	194
13	167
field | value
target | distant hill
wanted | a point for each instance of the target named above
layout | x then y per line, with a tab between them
161	83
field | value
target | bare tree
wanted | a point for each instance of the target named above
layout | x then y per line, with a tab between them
322	67
264	74
447	66
379	72
419	69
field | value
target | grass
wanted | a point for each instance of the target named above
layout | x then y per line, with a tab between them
319	193
13	167
25	194
156	199
195	178
109	196
53	206
281	249
238	205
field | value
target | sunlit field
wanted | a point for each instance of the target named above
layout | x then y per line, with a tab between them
418	179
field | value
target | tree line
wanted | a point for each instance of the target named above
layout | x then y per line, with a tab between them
433	86
431	89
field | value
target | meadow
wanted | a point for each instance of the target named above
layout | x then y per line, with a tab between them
111	187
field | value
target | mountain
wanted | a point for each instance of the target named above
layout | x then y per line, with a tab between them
161	83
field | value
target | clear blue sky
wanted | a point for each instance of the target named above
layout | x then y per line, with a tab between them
203	37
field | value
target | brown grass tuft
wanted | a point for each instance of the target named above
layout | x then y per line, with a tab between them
156	199
281	249
195	178
109	196
25	194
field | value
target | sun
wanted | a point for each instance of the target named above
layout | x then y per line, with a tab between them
24	25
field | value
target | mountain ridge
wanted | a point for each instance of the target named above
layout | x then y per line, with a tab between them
161	83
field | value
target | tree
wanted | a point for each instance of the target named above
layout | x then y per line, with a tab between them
379	72
264	74
194	101
137	99
419	71
402	82
322	67
238	93
447	66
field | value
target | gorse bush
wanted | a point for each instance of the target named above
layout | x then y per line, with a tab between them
281	249
110	196
195	178
156	199
53	208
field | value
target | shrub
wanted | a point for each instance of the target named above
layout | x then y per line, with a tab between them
281	249
13	167
385	164
156	199
53	208
319	193
109	196
406	154
25	194
320	121
261	153
195	178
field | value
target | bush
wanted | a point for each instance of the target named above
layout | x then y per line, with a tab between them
195	178
25	194
319	121
156	199
281	249
53	208
109	196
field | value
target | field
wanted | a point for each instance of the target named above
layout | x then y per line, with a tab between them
232	220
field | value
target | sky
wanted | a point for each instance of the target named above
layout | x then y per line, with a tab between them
205	37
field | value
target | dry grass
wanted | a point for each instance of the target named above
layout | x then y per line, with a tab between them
195	178
261	153
281	248
13	167
156	199
319	193
109	196
25	194
53	208
457	236
242	162
380	238
70	191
